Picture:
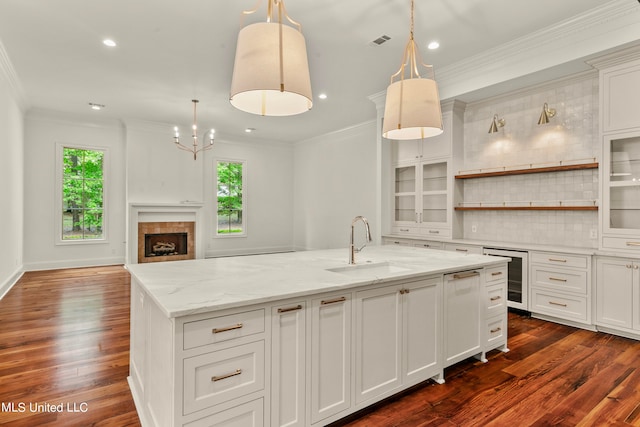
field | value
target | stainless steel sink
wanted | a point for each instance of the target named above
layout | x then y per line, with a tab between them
378	269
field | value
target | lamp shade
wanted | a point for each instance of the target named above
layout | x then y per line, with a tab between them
412	109
271	71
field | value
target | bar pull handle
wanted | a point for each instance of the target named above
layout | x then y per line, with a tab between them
333	301
458	276
557	260
493	331
434	231
225	376
227	328
557	303
495	298
462	250
496	273
557	280
285	310
633	243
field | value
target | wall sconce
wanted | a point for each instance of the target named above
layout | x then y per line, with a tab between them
547	113
496	123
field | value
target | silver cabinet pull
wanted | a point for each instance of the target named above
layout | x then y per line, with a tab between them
462	250
557	303
495	298
557	280
226	329
333	301
557	260
405	230
225	376
458	276
434	231
285	310
633	243
493	331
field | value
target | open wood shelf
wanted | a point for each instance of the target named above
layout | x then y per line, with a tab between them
521	171
526	208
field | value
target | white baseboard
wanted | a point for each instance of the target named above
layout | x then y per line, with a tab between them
250	251
6	286
72	263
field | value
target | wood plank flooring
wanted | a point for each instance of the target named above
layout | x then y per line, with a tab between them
64	338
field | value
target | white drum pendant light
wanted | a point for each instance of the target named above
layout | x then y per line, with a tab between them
412	108
271	71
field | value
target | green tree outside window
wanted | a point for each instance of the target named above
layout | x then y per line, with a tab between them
82	194
230	206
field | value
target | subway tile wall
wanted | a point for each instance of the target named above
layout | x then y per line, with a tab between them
571	135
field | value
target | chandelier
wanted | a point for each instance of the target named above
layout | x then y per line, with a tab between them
412	107
271	71
194	135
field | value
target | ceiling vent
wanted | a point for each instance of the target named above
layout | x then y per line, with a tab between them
383	38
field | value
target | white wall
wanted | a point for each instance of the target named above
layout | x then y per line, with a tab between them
43	130
268	197
12	188
335	179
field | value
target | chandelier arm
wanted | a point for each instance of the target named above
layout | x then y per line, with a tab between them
286	15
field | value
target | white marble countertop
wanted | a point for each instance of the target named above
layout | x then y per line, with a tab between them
196	286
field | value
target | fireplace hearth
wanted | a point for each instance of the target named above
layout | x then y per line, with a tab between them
165	241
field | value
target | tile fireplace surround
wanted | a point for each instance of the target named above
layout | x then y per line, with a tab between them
165	218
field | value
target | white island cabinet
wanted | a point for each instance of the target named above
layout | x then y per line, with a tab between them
298	339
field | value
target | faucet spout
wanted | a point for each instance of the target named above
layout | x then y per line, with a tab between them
352	248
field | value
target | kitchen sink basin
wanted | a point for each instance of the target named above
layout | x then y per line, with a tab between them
377	269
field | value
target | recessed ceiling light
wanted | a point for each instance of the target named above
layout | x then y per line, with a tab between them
433	45
109	42
322	96
95	106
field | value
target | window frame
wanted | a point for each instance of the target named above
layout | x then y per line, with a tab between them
59	172
244	199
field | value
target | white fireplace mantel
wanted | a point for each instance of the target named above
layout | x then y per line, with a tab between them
163	212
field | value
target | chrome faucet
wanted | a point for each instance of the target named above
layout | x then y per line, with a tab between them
352	248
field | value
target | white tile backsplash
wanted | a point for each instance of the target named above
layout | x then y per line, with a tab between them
572	134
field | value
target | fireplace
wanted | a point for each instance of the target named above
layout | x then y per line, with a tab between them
166	241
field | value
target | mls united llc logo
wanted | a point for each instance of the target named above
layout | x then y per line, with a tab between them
44	407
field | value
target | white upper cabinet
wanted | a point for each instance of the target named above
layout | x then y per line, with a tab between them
620	86
424	149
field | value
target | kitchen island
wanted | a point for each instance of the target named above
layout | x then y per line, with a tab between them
303	338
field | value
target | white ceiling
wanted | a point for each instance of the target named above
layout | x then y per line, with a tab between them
170	52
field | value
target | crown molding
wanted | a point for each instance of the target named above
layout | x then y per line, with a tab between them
11	77
566	41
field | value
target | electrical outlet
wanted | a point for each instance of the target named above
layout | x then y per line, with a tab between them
474	228
593	234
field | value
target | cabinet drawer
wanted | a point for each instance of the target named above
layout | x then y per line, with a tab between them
405	230
428	244
397	242
496	331
213	378
223	328
465	249
621	243
559	279
568	307
250	414
496	274
564	260
436	232
495	300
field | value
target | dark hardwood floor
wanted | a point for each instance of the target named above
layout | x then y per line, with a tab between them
64	339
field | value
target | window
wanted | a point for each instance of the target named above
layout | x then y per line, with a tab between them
230	204
82	194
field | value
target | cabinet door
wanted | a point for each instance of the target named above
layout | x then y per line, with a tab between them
439	146
288	365
405	195
435	198
421	319
462	316
636	295
330	356
614	292
378	337
621	196
405	151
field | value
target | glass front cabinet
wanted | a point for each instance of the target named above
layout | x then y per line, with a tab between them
421	199
621	192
